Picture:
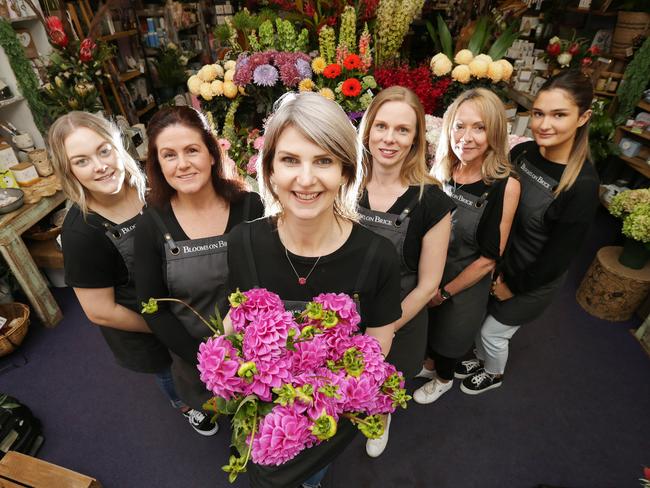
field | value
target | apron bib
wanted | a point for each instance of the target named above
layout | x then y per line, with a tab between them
529	237
136	351
196	271
409	344
454	323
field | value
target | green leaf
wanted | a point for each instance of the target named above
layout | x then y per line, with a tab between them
433	35
477	41
501	45
445	37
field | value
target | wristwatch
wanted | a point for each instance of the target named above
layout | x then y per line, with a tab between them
444	294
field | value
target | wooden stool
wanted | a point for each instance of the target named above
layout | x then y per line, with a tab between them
610	290
19	471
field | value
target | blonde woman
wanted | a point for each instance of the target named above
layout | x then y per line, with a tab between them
311	243
472	162
401	202
559	198
106	187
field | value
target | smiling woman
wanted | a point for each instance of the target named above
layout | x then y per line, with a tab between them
181	242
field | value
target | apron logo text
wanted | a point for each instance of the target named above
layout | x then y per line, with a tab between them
376	218
206	247
535	177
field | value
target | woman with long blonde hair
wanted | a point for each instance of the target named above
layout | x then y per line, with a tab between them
559	198
472	162
401	202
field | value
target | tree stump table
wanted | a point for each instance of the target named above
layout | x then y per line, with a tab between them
611	291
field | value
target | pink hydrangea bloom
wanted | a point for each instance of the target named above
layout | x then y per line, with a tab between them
218	365
283	434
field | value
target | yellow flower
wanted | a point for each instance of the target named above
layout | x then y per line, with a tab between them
219	70
464	56
217	88
461	73
484	57
306	85
495	72
441	65
230	89
194	85
229	75
242	90
507	69
318	65
207	73
327	93
206	91
478	68
229	65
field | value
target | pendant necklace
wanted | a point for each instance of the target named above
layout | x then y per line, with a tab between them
302	280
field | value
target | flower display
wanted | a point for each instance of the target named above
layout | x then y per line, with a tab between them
351	87
464	56
574	53
633	208
332	71
288	379
393	20
55	30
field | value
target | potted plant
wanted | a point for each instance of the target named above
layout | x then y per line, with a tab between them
633	208
170	64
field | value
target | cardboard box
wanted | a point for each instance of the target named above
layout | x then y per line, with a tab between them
7	156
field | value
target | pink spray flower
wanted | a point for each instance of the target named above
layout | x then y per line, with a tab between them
283	434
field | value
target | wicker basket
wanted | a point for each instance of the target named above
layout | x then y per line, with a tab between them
11	338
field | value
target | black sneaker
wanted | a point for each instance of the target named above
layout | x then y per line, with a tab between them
480	382
201	423
467	368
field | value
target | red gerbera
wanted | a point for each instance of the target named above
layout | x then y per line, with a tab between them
352	61
332	71
351	87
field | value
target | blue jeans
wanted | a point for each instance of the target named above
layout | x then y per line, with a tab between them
165	382
314	480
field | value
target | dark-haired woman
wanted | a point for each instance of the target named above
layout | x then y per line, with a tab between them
180	245
559	198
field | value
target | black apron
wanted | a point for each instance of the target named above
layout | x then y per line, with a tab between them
409	343
196	271
454	323
529	236
137	351
310	461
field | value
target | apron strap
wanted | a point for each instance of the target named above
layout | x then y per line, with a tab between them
112	229
405	213
247	208
163	229
248	249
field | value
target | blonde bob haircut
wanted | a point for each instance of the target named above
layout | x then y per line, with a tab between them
323	122
66	125
414	170
496	161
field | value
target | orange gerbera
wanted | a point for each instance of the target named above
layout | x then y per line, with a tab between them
351	87
332	71
352	61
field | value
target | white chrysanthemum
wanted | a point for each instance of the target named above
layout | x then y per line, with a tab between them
206	91
464	56
230	89
507	69
461	73
228	65
484	57
217	88
229	75
495	72
194	85
442	65
478	68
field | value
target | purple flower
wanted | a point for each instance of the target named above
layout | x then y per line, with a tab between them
304	68
283	434
265	75
218	365
243	71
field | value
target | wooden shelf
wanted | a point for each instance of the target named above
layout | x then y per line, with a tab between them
23	19
129	75
143	111
45	254
642	135
191	26
644	105
604	94
638	164
524	99
118	35
11	101
155	12
587	11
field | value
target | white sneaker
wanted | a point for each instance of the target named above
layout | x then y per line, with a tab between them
374	447
427	374
431	391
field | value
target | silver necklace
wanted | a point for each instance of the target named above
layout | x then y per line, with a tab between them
302	280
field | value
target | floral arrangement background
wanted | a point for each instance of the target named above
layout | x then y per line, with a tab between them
633	208
574	53
287	380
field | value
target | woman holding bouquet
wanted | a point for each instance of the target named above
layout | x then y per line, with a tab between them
401	202
472	162
106	188
180	244
311	243
559	198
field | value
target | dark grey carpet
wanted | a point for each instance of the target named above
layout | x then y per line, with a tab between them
573	411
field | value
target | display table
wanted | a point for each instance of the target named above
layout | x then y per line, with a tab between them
18	470
15	253
610	290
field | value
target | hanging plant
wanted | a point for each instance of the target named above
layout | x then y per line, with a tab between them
26	78
636	80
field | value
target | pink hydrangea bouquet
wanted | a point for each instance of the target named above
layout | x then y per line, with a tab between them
288	379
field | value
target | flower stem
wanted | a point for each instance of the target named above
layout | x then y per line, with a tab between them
176	300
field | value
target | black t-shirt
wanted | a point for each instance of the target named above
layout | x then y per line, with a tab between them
337	272
568	218
90	260
488	234
428	211
150	270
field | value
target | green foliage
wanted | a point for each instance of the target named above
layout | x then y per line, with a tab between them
601	133
625	202
445	37
222	33
25	77
637	225
171	72
480	36
503	42
635	81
